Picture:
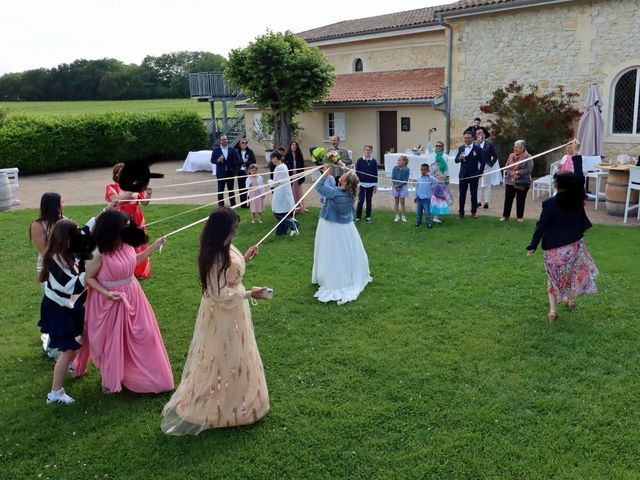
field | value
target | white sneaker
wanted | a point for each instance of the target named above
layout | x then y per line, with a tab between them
403	218
44	338
59	396
436	220
397	219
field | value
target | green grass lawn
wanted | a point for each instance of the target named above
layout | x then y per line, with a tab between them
446	366
131	106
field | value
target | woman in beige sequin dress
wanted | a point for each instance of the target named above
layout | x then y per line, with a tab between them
223	383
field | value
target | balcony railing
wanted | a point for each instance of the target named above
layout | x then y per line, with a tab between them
210	85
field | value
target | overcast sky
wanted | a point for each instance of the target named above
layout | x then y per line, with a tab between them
45	33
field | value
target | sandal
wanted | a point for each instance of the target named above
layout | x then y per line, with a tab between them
552	316
571	304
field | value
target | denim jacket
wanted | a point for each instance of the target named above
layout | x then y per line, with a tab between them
338	205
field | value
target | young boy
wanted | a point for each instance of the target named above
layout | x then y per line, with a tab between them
424	186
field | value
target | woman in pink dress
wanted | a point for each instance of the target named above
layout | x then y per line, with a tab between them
113	192
294	157
121	333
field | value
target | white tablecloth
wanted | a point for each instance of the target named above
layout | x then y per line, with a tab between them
197	161
391	160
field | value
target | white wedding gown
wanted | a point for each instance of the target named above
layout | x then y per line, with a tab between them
340	263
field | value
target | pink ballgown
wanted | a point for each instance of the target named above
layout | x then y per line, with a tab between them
122	337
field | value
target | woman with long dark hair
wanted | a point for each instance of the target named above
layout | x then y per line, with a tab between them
294	157
62	307
121	332
570	269
223	383
51	208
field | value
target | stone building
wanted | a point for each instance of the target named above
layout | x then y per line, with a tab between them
400	71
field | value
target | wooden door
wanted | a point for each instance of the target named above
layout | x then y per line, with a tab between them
388	133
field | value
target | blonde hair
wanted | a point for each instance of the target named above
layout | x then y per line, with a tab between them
404	159
253	166
352	185
575	143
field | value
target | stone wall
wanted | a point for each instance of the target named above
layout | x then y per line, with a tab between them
572	44
423	50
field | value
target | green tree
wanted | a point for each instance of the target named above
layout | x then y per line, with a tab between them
171	70
543	120
279	72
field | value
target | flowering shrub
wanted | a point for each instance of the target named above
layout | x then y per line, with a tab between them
543	120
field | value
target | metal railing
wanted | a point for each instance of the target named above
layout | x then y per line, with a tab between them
210	85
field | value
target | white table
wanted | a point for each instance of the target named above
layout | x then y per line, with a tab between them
197	161
391	160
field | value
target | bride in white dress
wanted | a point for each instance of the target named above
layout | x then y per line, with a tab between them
340	263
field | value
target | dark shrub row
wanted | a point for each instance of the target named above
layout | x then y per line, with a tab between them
50	144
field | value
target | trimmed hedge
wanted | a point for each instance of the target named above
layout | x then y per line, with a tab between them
50	144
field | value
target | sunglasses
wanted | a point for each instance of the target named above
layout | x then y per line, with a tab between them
439	146
243	143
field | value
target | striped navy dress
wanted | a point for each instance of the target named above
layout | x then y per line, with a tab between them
62	307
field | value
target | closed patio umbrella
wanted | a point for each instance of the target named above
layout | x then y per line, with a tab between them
591	126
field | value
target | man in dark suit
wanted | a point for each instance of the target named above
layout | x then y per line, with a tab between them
227	164
473	128
471	163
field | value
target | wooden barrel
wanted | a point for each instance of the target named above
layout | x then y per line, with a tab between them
616	192
5	192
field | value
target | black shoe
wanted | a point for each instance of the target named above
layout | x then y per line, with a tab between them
417	224
479	204
486	205
429	225
245	206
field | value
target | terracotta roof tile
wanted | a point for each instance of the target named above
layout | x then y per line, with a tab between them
418	84
380	23
396	21
470	4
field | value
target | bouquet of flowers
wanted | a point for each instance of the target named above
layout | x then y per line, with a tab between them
332	156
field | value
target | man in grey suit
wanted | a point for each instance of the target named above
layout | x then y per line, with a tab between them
344	156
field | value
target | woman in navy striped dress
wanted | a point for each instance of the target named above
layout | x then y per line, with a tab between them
62	307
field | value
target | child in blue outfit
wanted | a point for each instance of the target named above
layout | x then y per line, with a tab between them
424	190
400	190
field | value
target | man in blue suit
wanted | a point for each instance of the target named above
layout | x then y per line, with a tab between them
227	164
471	162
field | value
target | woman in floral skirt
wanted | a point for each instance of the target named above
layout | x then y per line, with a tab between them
570	269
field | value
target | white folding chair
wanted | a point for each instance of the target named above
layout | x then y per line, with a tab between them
634	184
544	184
590	170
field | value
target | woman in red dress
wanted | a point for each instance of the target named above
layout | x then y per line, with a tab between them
114	192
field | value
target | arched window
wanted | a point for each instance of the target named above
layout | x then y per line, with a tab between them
626	103
357	65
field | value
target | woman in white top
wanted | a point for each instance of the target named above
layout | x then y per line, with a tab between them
282	202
